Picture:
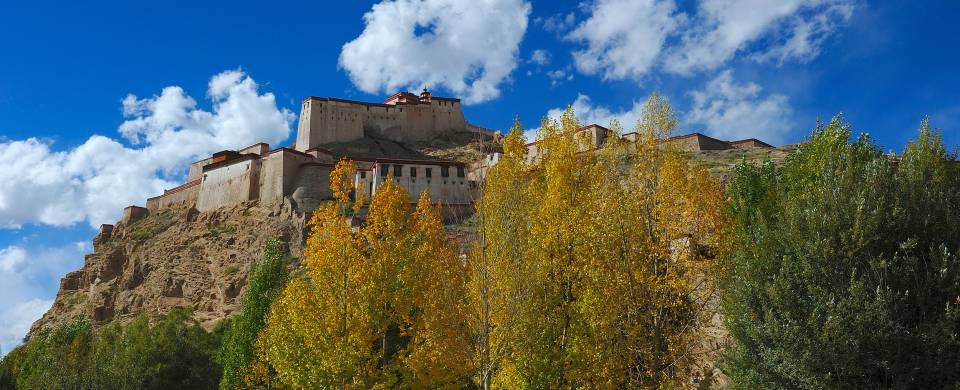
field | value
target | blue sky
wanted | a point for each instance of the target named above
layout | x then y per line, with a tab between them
103	105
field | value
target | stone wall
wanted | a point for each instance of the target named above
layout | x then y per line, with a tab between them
695	142
185	194
331	120
196	169
279	171
311	186
233	182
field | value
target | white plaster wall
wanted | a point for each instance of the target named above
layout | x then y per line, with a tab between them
446	190
271	179
229	185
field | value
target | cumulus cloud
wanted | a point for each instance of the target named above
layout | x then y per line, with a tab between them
466	47
735	111
623	37
95	180
30	277
630	38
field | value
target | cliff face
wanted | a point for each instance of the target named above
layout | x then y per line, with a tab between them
174	258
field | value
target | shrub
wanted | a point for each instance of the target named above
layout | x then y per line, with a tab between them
844	272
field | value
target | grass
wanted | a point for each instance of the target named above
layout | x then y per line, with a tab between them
151	226
221	230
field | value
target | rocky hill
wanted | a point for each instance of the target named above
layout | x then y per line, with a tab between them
175	258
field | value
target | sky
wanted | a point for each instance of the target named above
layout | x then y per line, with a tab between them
103	105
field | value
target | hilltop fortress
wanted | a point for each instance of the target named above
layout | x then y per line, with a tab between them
298	177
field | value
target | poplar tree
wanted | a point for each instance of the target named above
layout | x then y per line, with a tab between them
597	259
438	351
377	306
499	264
320	333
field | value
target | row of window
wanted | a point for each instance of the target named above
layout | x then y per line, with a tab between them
428	172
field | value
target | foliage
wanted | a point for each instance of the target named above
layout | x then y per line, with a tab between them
374	306
844	270
175	352
588	273
266	280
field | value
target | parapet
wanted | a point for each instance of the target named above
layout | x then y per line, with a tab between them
132	214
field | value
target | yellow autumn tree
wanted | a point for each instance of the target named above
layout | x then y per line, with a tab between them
438	352
376	306
499	265
612	245
388	247
320	332
650	265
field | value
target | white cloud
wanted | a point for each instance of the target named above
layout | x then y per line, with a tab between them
468	47
540	57
624	37
557	23
95	180
558	76
15	321
732	111
30	278
10	257
805	35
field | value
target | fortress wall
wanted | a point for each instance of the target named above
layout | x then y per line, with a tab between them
271	178
279	172
153	204
690	144
259	149
708	143
311	186
324	121
196	169
381	121
185	194
234	182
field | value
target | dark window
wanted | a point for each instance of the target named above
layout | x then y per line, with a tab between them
445	171
363	175
384	168
459	171
397	170
413	171
429	172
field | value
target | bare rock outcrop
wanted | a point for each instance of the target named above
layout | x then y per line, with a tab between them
174	258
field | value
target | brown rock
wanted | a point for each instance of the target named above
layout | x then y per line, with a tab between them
172	258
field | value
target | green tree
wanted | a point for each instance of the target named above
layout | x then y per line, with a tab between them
844	270
174	352
266	280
